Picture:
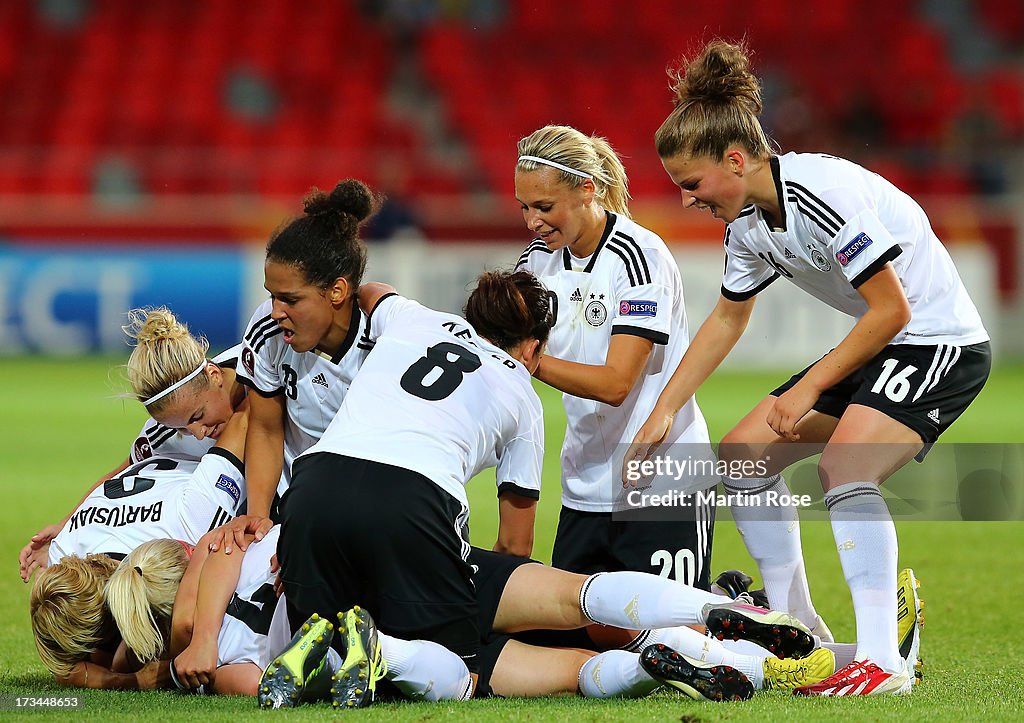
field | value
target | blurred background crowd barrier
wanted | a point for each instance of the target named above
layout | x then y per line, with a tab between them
147	149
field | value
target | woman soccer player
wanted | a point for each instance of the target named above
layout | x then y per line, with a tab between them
619	331
189	397
915	359
377	508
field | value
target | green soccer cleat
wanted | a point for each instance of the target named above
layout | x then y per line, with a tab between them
777	632
289	677
355	683
698	680
909	619
793	673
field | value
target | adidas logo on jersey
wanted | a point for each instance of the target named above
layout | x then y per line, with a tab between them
788	254
576	296
934	415
321	380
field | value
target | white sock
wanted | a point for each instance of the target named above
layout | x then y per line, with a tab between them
866	538
615	674
424	670
772	535
642	600
711	650
845	653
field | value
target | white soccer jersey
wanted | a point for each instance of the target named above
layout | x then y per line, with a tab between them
314	384
629	285
438	399
157	439
243	636
840	224
159	497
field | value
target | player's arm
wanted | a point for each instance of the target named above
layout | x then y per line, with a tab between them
197	664
888	312
610	382
34	555
714	340
372	292
183	613
264	451
516	517
87	674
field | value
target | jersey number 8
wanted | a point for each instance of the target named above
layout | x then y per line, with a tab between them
451	371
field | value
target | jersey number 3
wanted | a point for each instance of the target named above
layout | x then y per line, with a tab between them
445	374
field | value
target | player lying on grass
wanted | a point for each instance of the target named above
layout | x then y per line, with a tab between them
161	497
228	648
190	399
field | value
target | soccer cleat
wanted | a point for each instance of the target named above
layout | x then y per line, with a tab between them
733	583
909	619
355	683
793	673
779	633
287	679
700	681
861	677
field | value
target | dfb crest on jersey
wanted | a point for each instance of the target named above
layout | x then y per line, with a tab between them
596	313
819	259
248	362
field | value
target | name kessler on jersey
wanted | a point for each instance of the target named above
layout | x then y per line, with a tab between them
116	516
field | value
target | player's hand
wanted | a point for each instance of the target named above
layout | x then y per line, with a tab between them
30	557
275	566
651	434
155	675
197	664
789	409
232	534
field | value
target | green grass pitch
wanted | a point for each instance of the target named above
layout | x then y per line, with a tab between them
65	426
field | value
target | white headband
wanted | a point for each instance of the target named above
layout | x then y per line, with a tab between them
559	166
180	382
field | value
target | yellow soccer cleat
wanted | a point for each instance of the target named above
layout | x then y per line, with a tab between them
355	683
790	673
297	667
909	620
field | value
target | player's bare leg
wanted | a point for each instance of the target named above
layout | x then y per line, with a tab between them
528	671
628	600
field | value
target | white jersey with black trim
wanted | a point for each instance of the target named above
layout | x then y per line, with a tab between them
438	399
243	636
313	383
157	439
158	497
840	225
629	285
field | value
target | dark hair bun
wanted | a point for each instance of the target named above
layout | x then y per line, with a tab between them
350	197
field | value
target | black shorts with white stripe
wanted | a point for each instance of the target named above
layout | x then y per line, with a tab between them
923	387
671	546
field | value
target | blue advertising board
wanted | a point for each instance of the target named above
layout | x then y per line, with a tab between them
67	300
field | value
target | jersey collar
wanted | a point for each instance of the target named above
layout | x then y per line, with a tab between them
777	178
609	223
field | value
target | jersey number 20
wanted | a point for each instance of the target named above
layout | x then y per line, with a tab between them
449	377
